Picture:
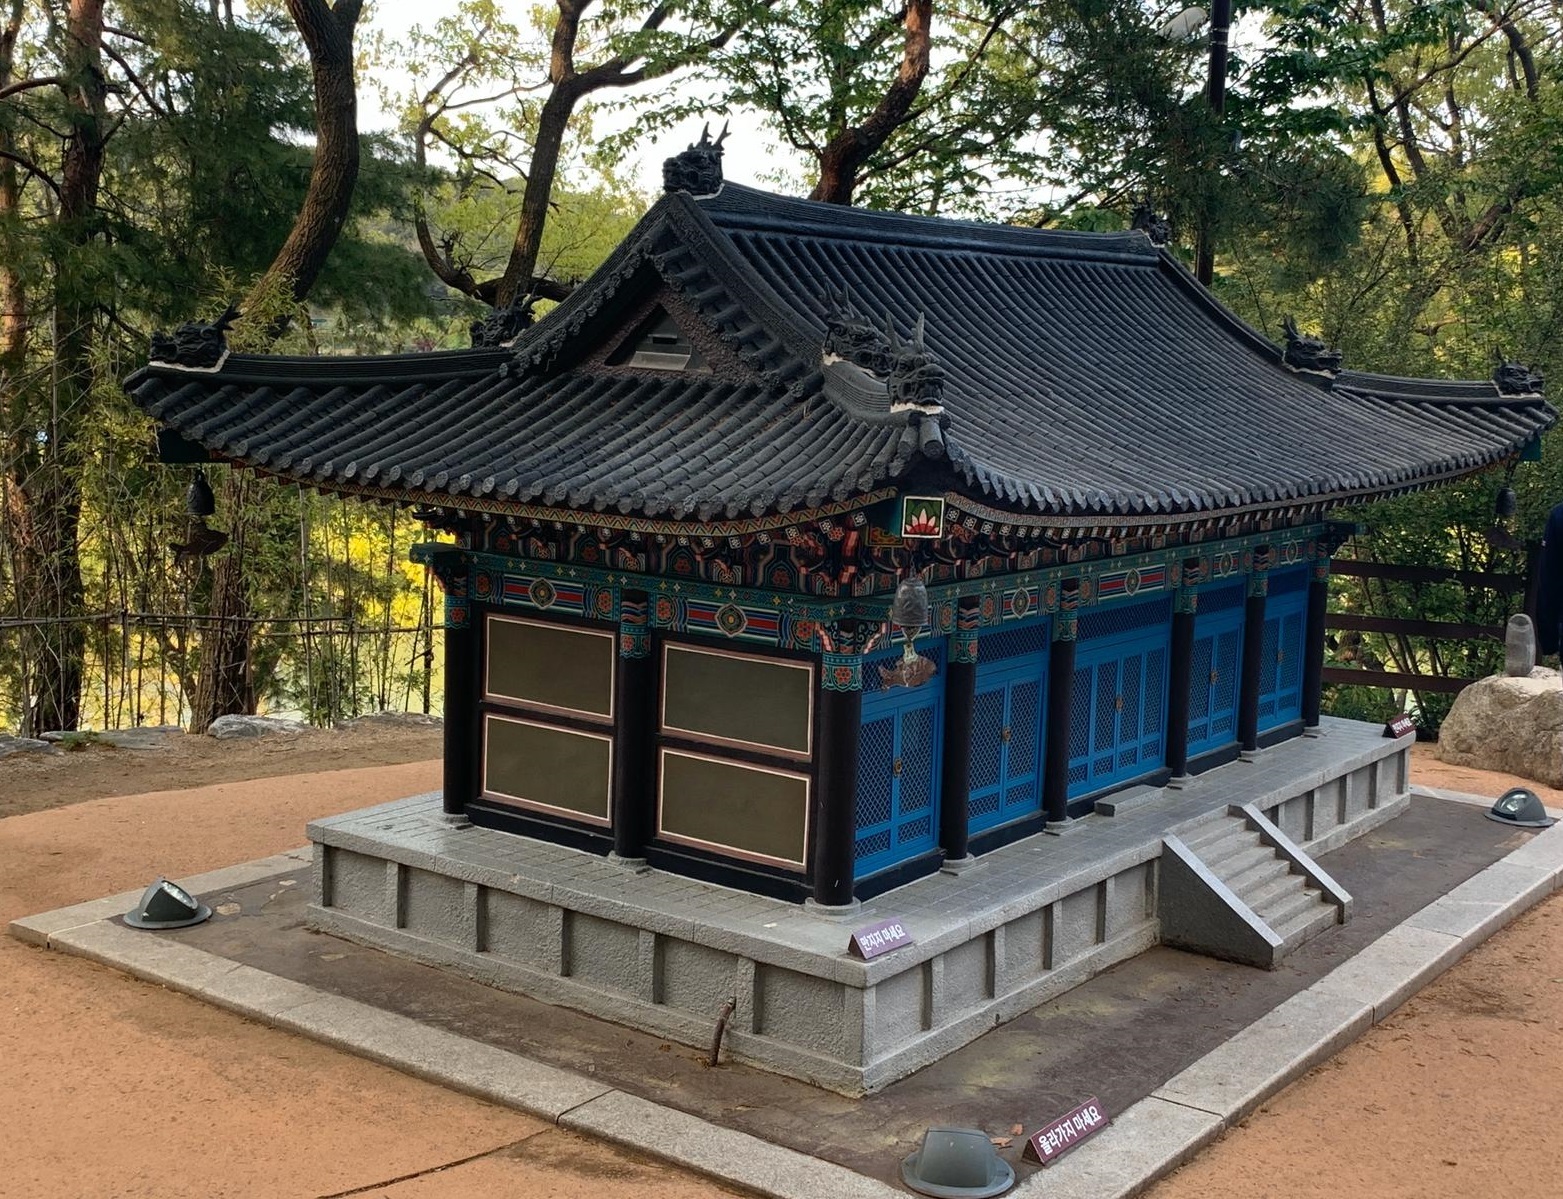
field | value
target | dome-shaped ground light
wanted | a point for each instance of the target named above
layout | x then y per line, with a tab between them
166	904
1520	806
957	1163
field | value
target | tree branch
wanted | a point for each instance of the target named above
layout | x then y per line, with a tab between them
27	85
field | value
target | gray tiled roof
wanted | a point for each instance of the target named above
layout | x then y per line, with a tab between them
1087	375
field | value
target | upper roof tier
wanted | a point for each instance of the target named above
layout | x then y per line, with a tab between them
731	359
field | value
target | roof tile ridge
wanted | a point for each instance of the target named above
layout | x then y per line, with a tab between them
334	369
799	334
960	232
537	345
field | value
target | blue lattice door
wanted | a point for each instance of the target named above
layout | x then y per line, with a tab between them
1282	648
898	767
1005	777
1215	667
1118	712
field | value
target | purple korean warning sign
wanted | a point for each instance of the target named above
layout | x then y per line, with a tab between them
868	943
1050	1142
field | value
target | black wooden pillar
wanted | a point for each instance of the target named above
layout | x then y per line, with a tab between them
835	803
1180	681
1313	664
960	691
463	681
1253	647
634	701
1060	705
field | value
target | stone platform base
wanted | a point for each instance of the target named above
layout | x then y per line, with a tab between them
664	953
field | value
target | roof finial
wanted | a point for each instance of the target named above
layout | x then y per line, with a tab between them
502	325
1516	379
851	336
1308	355
1146	221
916	381
697	170
195	343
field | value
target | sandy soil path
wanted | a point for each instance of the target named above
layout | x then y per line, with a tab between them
111	1087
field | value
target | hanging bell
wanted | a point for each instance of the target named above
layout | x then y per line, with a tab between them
909	608
1507	503
199	500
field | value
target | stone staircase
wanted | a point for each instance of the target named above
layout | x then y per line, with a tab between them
1234	886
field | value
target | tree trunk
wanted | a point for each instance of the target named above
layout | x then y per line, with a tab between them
328	35
226	685
43	493
844	155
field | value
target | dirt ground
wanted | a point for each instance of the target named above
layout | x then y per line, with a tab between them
33	782
111	1087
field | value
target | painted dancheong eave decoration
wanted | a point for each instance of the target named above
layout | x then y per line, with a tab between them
683	500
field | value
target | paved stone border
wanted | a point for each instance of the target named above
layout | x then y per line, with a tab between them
1164	1130
1147	1141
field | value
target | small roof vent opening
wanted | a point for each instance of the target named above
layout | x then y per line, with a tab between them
658	344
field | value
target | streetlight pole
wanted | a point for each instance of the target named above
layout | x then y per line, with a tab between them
1216	94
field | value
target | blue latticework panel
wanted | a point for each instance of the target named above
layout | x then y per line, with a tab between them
987	740
1223	699
1269	646
1285	703
1223	598
1201	684
1213	675
1014	742
875	774
1104	729
1025	717
898	768
916	753
1118	620
1126	675
1080	709
1129	710
1014	642
1285	643
1153	714
1286	582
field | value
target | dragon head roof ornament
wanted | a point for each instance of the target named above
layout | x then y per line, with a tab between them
697	170
1308	355
195	344
1517	379
852	337
503	325
1145	220
917	378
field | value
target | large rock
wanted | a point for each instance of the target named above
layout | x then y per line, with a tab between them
389	720
23	745
227	728
1513	725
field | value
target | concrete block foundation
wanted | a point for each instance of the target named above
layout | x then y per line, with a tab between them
663	953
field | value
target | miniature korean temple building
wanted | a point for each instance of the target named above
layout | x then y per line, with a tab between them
684	501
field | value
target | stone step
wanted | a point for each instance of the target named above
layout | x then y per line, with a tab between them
1307	924
1208	834
1266	894
1261	871
1287	907
1219	852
